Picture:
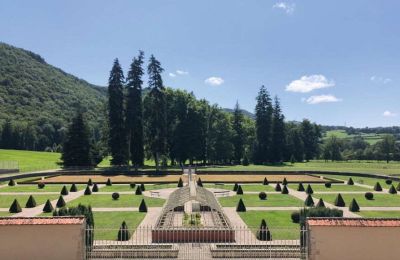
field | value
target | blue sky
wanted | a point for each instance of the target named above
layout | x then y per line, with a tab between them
335	62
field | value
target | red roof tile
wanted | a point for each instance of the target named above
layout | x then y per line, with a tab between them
5	221
355	222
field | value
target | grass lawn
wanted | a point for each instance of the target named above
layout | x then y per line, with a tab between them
6	200
380	199
5	214
380	214
106	201
107	223
245	187
252	200
126	187
279	223
31	160
362	180
34	188
334	187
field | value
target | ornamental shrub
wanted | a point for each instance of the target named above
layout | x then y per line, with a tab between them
199	183
388	181
377	187
320	203
245	161
295	216
123	233
138	191
90	182
31	203
73	188
64	190
339	202
95	188
354	206
15	207
350	181
318	212
284	182
180	183
109	183
265	182
278	187
328	185
309	190
41	185
133	185
142	206
11	182
392	190
369	195
235	187
262	195
263	233
60	202
87	191
48	207
142	187
239	190
309	202
240	206
115	195
300	187
285	190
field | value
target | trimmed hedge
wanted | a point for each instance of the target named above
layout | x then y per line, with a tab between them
300	187
73	188
11	182
285	190
115	195
309	202
60	202
392	190
318	212
295	216
278	187
41	185
339	201
95	188
239	190
377	187
265	182
285	182
64	190
31	203
354	206
123	233
109	183
180	183
88	191
142	206
350	181
235	187
138	190
309	190
15	207
240	206
262	195
320	203
48	207
369	195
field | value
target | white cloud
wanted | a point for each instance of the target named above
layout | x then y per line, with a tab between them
287	7
172	75
214	81
309	83
387	113
322	99
182	72
381	80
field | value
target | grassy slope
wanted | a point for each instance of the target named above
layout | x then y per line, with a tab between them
341	134
30	160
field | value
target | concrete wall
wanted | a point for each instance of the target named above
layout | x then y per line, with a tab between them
355	243
42	242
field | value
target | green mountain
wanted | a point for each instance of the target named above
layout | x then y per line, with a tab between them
33	91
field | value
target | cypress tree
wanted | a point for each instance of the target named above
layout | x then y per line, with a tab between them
320	204
15	207
377	187
263	127
77	147
60	202
285	190
138	190
73	188
108	183
95	188
134	111
31	203
354	206
142	206
278	187
284	182
123	233
339	202
392	190
350	181
87	191
265	182
239	190
300	187
309	202
180	183
64	190
238	134
48	207
117	140
263	233
11	182
235	187
310	134
155	112
309	190
240	206
278	141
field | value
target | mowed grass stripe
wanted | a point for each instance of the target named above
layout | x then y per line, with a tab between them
106	201
252	200
380	199
34	188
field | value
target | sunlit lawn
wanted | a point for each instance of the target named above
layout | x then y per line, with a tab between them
380	214
380	199
252	200
334	187
245	187
6	200
106	201
127	187
34	188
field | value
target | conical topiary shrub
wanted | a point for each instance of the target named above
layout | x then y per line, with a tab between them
138	190
73	188
108	183
284	182
90	182
309	190
142	206
354	206
320	204
240	206
11	182
398	187
309	202
180	183
263	233
60	202
15	207
278	187
133	185
285	190
87	191
350	181
235	187
95	188
239	190
377	187
339	202
392	190
300	187
123	233
265	182
199	182
48	207
142	187
31	203
64	190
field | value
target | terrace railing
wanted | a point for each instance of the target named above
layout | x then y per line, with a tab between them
198	243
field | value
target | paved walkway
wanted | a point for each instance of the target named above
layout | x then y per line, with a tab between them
142	234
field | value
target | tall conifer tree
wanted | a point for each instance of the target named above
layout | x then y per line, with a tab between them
238	135
117	140
278	133
134	113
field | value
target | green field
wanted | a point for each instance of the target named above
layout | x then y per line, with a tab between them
5	214
380	214
106	201
31	160
279	223
245	187
34	188
6	200
334	187
380	200
252	200
126	187
342	134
